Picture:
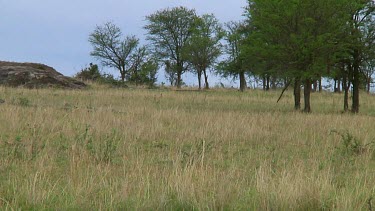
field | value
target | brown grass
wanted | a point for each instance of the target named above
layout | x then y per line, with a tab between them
161	149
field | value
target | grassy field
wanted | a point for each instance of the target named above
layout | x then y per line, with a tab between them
127	149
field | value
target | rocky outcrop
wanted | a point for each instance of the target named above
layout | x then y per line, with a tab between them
33	75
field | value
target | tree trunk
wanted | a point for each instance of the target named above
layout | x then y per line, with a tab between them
368	84
178	82
356	75
306	95
355	100
206	80
242	81
199	80
345	87
180	69
268	83
297	94
335	86
315	86
122	74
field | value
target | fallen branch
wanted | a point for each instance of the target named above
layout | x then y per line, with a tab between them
282	93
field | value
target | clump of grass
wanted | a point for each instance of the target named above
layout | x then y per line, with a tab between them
351	145
103	150
21	101
15	149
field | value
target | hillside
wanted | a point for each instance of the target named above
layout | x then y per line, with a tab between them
33	75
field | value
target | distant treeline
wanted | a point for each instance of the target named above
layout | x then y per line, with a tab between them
279	44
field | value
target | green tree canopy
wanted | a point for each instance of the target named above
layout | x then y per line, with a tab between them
296	37
169	31
204	46
233	65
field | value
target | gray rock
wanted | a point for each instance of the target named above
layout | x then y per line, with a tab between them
33	75
2	101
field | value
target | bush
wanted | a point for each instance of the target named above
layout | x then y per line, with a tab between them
145	75
90	73
110	80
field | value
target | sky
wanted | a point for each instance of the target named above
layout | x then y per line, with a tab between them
55	32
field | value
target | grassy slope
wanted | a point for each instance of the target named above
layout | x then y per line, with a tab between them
160	149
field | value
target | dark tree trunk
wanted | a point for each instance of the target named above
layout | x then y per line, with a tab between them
178	82
335	85
345	87
206	80
356	81
315	86
122	74
368	84
268	83
180	69
242	81
306	95
355	100
121	67
297	94
199	80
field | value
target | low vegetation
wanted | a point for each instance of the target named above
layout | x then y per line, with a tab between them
160	149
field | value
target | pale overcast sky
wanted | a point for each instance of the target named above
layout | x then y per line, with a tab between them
55	32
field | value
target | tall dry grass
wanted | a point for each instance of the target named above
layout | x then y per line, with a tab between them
162	149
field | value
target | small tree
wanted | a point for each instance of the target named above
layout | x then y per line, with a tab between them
170	72
111	49
148	73
144	67
89	73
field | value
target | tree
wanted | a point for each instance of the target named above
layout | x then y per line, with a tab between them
361	34
297	36
169	31
355	49
111	49
233	64
369	70
204	47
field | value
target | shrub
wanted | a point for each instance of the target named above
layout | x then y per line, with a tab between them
91	73
110	80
